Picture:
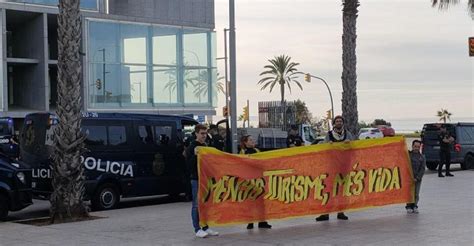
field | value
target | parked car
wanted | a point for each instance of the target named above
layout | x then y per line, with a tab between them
128	155
462	151
368	133
387	131
15	186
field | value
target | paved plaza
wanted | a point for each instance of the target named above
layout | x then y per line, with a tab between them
446	218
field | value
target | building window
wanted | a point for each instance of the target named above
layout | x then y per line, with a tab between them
146	66
85	4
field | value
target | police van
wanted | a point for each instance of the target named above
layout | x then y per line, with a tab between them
127	155
15	186
8	141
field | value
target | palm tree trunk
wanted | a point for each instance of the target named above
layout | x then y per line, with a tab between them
283	105
349	62
68	178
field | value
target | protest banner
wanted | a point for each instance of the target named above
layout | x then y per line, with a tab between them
302	181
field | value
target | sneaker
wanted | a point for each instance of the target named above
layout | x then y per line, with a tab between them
212	232
440	175
409	210
415	210
323	217
201	234
264	225
342	216
449	175
250	226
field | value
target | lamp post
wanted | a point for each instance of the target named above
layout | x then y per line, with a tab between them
308	77
103	70
233	75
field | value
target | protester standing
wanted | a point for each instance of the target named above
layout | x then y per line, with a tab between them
294	139
216	140
191	161
337	134
247	147
445	145
418	163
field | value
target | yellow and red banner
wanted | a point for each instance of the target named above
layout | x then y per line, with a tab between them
302	181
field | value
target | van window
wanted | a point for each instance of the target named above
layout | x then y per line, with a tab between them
466	134
29	137
145	134
117	135
163	134
96	135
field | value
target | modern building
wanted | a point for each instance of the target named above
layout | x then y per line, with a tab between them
152	56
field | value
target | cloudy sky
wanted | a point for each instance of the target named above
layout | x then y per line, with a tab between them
412	59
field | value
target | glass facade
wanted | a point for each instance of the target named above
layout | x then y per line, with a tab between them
85	4
147	66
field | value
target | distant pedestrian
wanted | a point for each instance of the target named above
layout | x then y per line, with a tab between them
418	163
445	145
191	160
294	139
247	147
338	134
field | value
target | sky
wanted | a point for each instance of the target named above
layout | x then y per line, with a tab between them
412	59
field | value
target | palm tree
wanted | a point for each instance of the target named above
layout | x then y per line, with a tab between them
349	62
444	115
68	179
201	84
281	71
445	4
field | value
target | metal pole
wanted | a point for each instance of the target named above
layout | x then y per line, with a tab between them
233	75
226	71
330	94
248	112
103	71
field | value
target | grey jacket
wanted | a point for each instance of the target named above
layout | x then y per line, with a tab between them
418	164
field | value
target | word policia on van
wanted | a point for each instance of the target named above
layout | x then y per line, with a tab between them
303	181
93	164
289	189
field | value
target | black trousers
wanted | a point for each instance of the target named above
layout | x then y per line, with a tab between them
444	158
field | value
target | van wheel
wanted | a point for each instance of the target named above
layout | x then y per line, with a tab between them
106	197
468	162
3	207
432	166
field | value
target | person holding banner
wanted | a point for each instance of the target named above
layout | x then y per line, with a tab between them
192	163
247	147
418	163
338	134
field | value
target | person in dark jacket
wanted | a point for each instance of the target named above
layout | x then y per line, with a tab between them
445	143
294	139
418	163
216	140
338	134
192	163
247	147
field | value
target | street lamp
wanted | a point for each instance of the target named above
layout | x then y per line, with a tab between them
307	78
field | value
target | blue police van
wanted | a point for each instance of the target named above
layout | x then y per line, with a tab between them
127	155
8	142
15	186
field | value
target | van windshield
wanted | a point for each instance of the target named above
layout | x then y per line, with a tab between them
431	132
5	129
